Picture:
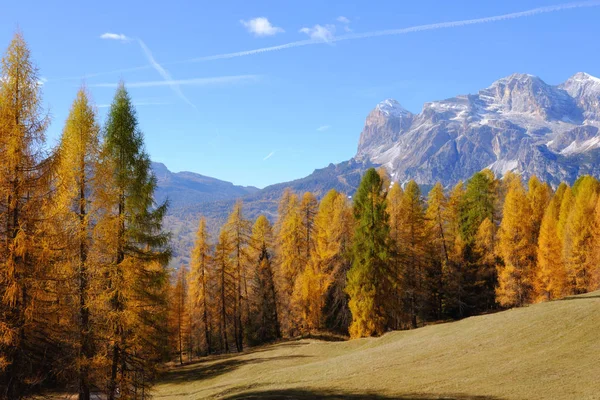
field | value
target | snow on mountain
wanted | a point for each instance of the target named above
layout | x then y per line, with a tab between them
519	123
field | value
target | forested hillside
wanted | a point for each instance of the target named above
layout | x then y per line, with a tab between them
89	306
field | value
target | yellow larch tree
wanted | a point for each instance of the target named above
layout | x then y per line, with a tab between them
396	221
23	186
239	231
550	279
179	320
76	164
200	263
579	230
516	247
436	227
453	273
314	283
291	252
225	288
413	240
264	318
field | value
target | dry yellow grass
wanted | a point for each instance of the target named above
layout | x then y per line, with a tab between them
545	351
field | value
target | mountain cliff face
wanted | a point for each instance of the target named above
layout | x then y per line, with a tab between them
518	124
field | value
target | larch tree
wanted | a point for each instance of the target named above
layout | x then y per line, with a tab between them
438	257
200	262
264	319
291	252
516	247
595	278
23	187
336	312
413	240
370	278
550	279
579	230
226	288
180	313
136	250
314	282
308	210
486	274
453	278
397	252
239	231
539	195
76	164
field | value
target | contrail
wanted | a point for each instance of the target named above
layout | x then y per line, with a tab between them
402	31
271	154
355	36
164	73
181	82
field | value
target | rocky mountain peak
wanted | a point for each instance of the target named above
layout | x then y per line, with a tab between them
519	123
382	125
392	108
528	94
585	89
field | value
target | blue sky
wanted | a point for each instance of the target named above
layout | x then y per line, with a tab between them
262	117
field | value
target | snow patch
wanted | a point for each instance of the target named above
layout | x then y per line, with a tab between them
575	147
391	107
501	167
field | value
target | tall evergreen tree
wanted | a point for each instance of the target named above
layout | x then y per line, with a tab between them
134	240
479	203
370	279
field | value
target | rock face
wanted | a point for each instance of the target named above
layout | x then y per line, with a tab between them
518	124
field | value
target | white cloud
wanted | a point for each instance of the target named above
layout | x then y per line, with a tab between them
323	128
343	19
320	33
403	31
115	36
183	82
271	154
261	27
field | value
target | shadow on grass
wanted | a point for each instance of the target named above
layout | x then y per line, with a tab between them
581	297
210	368
303	394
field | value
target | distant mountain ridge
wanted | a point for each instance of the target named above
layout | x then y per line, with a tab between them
519	123
185	188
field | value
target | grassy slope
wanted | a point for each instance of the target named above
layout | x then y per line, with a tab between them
545	351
